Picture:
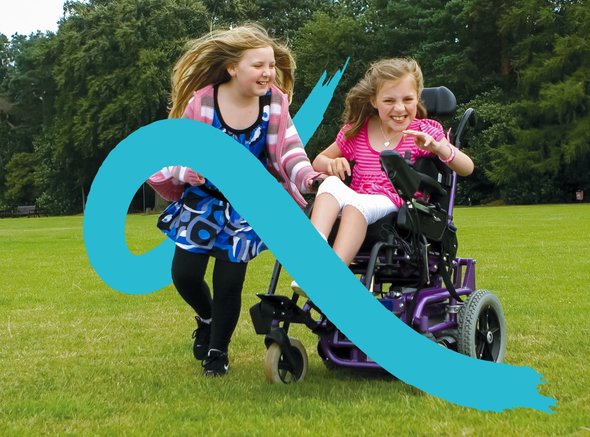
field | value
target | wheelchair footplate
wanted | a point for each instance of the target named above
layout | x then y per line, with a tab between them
275	307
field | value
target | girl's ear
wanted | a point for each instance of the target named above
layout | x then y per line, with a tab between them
231	70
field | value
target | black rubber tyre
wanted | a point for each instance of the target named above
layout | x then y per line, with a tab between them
482	327
278	370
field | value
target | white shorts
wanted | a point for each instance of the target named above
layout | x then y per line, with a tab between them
372	206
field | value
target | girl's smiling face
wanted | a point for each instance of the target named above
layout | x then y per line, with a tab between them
255	71
397	103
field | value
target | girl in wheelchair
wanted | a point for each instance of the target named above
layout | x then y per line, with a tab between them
382	112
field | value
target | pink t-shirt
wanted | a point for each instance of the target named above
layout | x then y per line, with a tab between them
367	175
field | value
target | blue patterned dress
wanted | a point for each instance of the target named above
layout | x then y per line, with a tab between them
203	221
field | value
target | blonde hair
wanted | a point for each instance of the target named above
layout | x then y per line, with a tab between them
207	58
358	106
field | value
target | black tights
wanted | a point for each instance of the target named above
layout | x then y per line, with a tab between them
188	275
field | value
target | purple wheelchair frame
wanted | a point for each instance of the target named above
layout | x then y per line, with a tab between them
429	303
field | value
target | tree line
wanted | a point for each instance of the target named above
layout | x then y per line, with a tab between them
68	98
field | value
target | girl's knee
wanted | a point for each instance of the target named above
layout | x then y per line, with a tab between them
321	197
332	180
334	188
330	185
355	211
372	207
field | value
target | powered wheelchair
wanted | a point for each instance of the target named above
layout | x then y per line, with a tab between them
409	262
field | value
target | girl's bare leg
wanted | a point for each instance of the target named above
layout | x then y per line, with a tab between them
324	214
351	234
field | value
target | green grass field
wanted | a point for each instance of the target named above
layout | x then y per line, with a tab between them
77	357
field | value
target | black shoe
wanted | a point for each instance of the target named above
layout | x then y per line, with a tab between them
201	336
216	363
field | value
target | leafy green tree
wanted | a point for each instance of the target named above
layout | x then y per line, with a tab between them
324	44
4	57
112	66
456	42
67	99
27	95
285	18
282	18
21	184
225	13
495	121
548	158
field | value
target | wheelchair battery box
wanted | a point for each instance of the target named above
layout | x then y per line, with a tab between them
422	219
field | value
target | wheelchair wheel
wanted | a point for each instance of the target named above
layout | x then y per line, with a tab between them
482	327
277	368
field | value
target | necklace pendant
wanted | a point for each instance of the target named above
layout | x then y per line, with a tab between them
386	144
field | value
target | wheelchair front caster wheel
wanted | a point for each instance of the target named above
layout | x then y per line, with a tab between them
482	327
279	369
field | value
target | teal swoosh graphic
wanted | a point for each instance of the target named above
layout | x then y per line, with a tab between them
283	226
311	113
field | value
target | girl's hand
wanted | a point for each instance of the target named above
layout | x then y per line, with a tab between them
192	177
446	152
425	141
338	167
314	184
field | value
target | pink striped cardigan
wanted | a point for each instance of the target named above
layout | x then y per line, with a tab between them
287	160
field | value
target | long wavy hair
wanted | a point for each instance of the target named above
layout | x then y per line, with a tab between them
207	59
358	106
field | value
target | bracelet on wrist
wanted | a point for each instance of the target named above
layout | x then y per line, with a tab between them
450	158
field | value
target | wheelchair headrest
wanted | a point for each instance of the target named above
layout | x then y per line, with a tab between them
439	101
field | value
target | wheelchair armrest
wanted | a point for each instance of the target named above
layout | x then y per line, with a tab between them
405	178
